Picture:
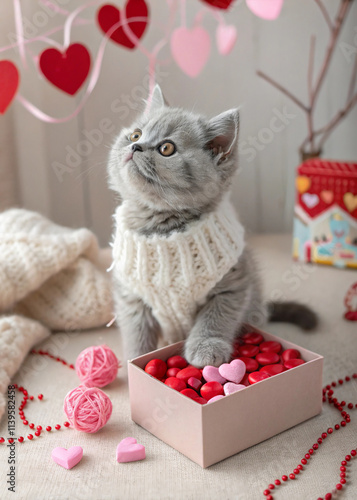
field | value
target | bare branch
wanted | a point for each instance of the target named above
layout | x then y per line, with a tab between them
326	131
325	13
352	81
283	90
310	76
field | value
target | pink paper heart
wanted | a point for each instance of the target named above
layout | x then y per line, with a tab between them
310	200
230	388
67	458
226	37
129	450
265	9
190	49
233	371
211	374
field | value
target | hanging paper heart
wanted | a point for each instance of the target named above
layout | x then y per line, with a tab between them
350	201
9	83
302	183
327	196
220	4
310	200
226	37
67	70
190	49
108	15
266	9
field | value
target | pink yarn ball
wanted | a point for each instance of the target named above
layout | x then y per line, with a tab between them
97	366
88	409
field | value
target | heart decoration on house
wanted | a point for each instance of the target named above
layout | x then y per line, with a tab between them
66	70
327	196
219	4
190	49
350	201
302	183
67	458
266	9
310	200
9	83
226	37
109	15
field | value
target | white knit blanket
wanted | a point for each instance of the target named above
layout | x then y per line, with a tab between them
49	280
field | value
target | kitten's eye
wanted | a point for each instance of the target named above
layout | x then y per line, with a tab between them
167	149
135	136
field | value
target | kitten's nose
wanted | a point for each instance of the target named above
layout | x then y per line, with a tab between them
136	147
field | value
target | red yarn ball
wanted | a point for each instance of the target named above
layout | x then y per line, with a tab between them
97	366
88	409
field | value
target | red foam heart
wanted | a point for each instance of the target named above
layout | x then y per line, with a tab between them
220	4
68	70
9	83
108	15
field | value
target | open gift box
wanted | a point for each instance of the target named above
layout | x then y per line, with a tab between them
212	432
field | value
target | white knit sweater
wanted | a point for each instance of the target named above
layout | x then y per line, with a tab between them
174	274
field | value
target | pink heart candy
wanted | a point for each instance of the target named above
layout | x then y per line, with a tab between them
211	374
216	398
67	458
226	37
129	450
233	371
230	388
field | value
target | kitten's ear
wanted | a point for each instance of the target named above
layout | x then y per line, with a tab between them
156	100
223	134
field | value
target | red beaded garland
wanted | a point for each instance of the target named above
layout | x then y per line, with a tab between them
344	463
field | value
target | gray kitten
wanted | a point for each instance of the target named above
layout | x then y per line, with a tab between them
173	170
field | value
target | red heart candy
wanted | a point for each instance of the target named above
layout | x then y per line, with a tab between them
190	393
292	363
189	372
172	372
9	82
175	383
109	15
68	70
194	383
156	368
253	338
176	362
251	364
273	369
270	345
267	358
257	377
211	389
290	354
248	350
220	4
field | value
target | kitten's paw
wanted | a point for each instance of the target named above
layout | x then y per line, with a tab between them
207	352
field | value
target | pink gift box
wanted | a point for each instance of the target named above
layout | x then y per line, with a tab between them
209	433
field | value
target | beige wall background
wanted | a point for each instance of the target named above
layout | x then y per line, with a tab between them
263	192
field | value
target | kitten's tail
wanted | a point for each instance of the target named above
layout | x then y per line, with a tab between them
293	312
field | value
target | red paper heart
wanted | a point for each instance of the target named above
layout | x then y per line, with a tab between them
108	15
220	4
9	82
67	70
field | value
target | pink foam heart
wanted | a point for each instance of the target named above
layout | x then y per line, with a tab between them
230	388
310	200
129	450
233	371
190	49
269	10
67	458
211	374
216	398
226	37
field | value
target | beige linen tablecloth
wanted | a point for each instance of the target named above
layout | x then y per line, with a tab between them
166	474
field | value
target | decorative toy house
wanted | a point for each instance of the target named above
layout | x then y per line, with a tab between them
325	224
